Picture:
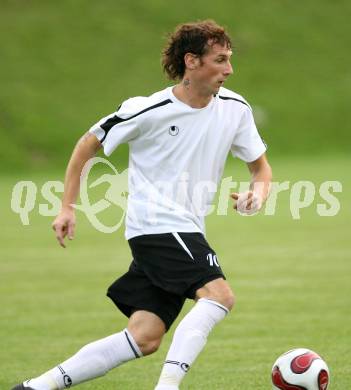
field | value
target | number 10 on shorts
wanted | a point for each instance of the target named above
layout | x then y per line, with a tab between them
212	259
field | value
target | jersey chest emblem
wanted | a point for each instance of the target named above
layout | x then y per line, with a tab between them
173	130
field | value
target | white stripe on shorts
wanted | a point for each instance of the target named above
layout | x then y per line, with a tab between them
182	243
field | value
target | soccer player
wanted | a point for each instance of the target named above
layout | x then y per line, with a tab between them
178	137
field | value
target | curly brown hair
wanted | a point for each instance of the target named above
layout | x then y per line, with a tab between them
195	38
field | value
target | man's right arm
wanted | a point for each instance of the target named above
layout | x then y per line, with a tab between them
64	223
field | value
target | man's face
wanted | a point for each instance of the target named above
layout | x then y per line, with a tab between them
212	69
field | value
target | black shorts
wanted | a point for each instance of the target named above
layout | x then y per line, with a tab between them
166	269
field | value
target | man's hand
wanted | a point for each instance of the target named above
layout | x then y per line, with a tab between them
247	203
64	223
64	226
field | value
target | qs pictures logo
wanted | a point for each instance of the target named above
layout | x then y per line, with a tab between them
25	194
116	194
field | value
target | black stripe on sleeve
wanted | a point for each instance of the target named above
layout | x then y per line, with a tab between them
114	120
132	346
231	98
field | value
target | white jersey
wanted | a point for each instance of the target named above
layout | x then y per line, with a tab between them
177	155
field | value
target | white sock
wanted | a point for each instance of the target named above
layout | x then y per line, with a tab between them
92	361
188	341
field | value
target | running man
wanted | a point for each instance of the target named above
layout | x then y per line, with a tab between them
180	136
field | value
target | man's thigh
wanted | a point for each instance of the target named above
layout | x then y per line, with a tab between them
134	292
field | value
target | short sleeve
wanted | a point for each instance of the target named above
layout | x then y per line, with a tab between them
117	128
247	143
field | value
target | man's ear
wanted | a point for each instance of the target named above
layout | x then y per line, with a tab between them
191	61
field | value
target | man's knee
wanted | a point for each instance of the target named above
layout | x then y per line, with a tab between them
228	300
147	347
217	290
147	330
225	298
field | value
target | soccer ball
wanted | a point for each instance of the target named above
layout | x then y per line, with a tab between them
300	369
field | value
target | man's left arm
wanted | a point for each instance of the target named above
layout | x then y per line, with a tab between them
250	202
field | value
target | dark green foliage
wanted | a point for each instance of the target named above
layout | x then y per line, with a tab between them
63	65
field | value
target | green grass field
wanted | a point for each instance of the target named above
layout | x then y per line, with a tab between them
291	279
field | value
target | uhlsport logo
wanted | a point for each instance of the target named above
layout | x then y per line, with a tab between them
173	130
184	366
66	378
